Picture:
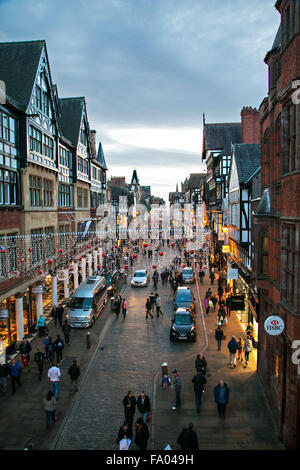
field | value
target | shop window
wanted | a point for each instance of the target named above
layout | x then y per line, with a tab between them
48	193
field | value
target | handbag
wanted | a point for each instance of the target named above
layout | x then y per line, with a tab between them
149	417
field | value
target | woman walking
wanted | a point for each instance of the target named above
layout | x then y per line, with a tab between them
141	434
124	308
49	404
240	349
148	308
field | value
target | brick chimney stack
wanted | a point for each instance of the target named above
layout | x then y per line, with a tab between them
93	143
250	118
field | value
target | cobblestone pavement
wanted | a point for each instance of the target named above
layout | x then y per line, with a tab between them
129	357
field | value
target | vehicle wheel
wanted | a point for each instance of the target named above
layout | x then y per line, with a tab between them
171	338
194	339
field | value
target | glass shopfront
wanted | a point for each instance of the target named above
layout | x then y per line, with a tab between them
248	315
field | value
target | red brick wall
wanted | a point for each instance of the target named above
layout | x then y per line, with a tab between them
250	118
290	62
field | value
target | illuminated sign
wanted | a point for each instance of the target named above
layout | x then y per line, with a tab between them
226	249
274	325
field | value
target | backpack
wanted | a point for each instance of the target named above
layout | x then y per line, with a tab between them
59	344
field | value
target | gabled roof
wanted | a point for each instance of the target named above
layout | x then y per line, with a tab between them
221	136
100	157
196	179
248	160
70	119
18	67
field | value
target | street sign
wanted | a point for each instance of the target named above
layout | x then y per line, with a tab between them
237	302
274	325
232	274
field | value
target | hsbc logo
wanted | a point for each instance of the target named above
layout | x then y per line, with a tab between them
274	325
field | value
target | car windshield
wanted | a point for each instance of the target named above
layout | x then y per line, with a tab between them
140	275
81	303
184	296
183	319
188	271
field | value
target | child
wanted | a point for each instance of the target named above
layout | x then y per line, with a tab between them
166	381
240	349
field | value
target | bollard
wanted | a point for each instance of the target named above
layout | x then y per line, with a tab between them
88	340
112	300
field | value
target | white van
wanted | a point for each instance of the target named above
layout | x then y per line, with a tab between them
87	302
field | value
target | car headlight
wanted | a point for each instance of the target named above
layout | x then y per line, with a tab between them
192	329
173	328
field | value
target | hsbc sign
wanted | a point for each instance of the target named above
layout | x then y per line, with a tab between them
274	325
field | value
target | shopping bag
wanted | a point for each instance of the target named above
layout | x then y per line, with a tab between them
149	417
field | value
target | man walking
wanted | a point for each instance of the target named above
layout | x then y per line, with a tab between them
219	336
152	300
158	305
39	358
233	347
74	373
143	405
60	314
14	372
129	403
248	347
54	376
188	439
66	331
41	325
199	382
178	387
59	346
148	308
221	393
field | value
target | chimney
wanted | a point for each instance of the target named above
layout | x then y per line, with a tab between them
250	118
93	143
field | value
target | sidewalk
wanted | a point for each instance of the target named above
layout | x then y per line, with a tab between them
248	424
22	416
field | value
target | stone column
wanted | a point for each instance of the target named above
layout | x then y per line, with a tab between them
19	316
75	275
66	284
38	291
90	266
83	269
54	289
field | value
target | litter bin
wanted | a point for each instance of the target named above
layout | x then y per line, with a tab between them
112	301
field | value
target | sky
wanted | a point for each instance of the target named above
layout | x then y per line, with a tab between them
149	69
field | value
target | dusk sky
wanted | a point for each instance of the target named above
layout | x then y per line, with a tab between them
149	69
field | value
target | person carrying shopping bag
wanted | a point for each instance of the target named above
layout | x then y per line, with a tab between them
124	308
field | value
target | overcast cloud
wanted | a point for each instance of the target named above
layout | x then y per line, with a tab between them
149	69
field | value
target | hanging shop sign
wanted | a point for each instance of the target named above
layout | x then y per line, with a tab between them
225	249
274	325
221	236
232	274
237	302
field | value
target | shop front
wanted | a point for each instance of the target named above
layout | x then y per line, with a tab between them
248	314
8	319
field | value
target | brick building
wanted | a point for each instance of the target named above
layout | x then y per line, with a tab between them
277	226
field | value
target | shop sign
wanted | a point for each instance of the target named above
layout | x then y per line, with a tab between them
221	236
2	353
4	313
225	249
233	274
274	325
237	302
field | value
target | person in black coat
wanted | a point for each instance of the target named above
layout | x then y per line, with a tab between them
221	393
141	434
59	346
60	314
123	432
200	363
219	336
188	439
199	382
129	403
143	405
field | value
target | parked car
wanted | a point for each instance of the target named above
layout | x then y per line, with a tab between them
140	278
188	276
183	326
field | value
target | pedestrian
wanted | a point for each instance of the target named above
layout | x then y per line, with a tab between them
41	325
143	405
155	279
59	346
201	275
221	393
228	303
123	438
188	439
240	349
248	347
124	308
51	350
208	293
54	314
117	305
199	382
46	340
148	308
39	358
200	364
129	403
212	277
158	305
214	301
25	348
15	373
49	406
60	314
219	335
4	373
54	376
233	347
206	305
152	300
74	373
177	384
66	331
141	434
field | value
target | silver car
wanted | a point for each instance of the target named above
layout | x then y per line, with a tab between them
188	276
